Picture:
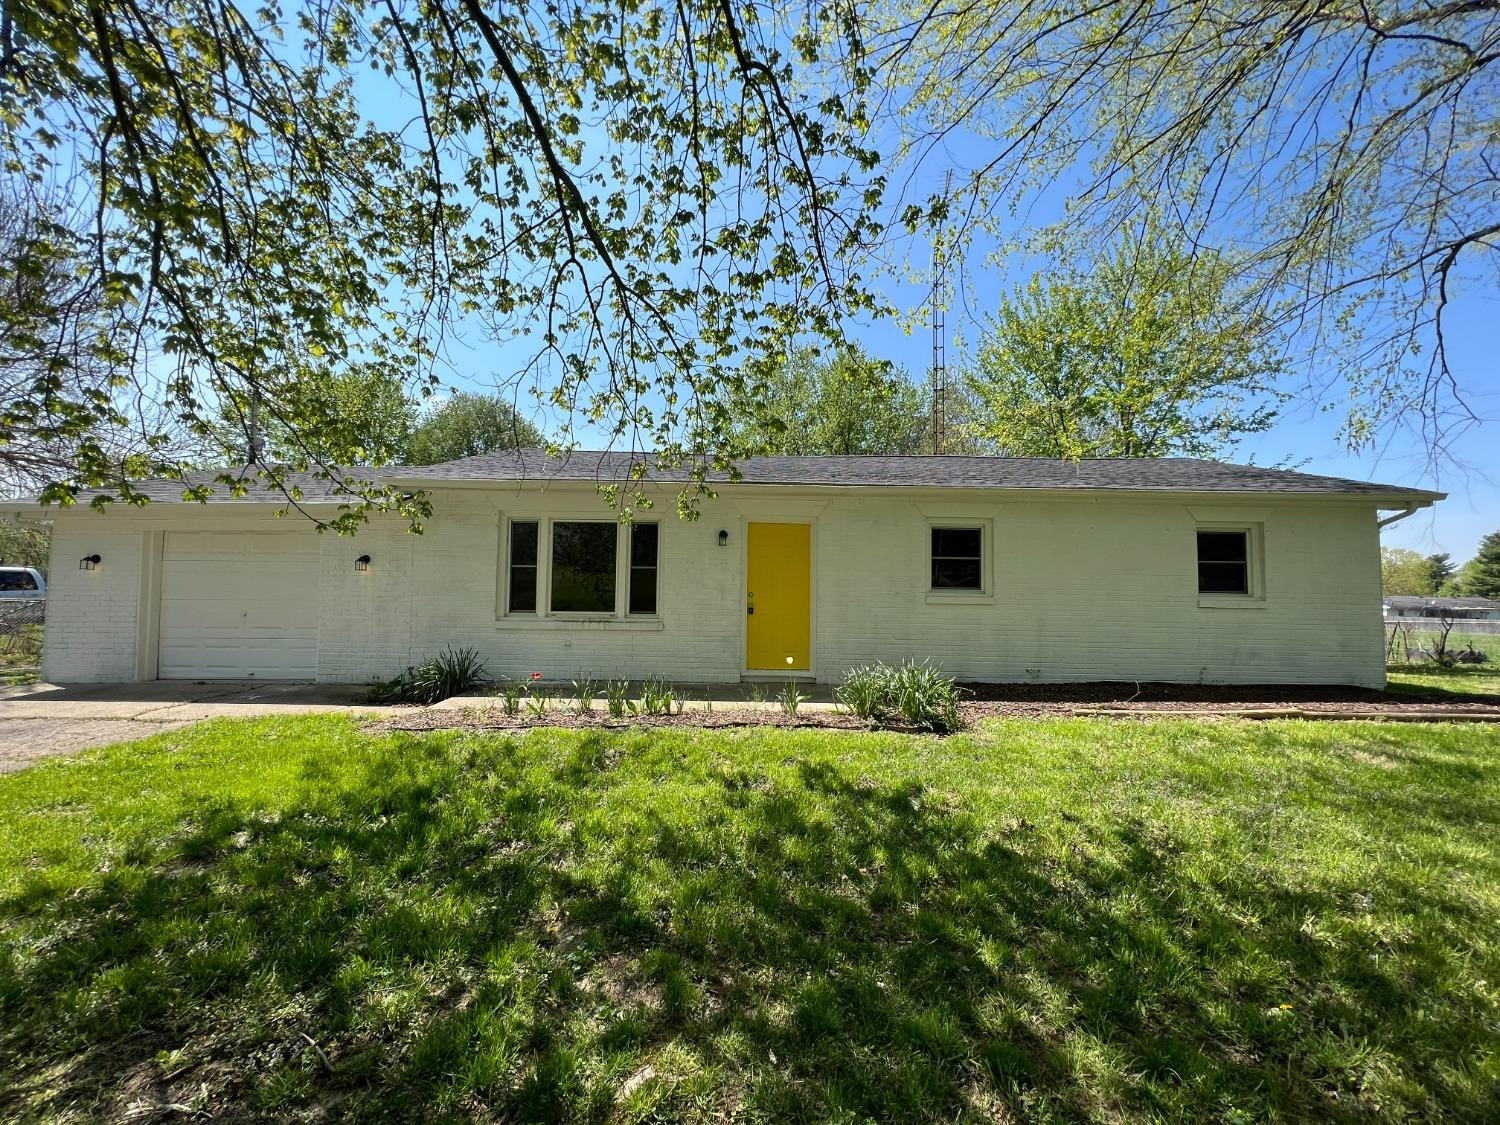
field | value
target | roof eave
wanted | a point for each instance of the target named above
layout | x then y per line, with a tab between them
1415	498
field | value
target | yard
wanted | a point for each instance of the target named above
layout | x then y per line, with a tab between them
1040	920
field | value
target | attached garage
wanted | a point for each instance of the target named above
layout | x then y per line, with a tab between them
239	605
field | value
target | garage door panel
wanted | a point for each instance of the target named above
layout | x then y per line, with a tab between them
239	605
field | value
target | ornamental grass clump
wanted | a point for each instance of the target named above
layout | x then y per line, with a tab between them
925	697
510	692
865	692
617	697
452	672
918	692
584	690
657	698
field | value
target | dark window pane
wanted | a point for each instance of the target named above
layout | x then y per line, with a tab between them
955	542
1222	578
643	544
1222	547
956	558
16	580
522	589
1223	562
643	589
583	567
523	544
955	574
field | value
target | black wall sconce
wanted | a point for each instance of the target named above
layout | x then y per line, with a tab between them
362	563
723	538
89	562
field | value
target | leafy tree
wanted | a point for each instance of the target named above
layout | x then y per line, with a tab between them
1404	571
468	424
1440	570
25	544
639	198
1147	356
1346	150
60	405
846	404
369	421
1481	575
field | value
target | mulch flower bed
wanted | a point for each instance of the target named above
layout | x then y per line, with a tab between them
995	701
485	716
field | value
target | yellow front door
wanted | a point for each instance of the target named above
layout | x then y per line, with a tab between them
778	597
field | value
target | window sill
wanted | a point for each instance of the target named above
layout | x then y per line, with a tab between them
584	624
1230	601
959	597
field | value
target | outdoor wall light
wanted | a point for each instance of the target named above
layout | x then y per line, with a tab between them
723	538
362	563
89	562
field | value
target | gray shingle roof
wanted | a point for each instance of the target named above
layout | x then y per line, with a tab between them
1175	474
257	490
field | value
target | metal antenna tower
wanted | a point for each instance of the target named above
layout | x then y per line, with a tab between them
940	336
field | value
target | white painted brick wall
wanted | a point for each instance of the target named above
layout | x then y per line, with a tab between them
90	635
1082	589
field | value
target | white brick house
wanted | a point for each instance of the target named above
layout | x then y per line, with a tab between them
999	569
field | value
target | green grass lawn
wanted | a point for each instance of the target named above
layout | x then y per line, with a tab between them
1458	680
1049	920
1432	679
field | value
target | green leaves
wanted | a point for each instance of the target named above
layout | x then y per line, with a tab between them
1150	354
610	191
847	404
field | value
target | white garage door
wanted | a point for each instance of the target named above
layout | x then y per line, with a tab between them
239	605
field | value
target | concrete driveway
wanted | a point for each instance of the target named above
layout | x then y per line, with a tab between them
38	720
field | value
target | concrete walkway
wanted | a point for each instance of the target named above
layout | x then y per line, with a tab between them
38	720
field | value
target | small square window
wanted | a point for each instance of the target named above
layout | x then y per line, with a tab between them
957	562
1223	562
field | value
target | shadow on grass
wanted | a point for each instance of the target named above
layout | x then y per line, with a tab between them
472	933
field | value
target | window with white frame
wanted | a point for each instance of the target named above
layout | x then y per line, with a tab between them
1224	561
523	569
556	567
957	558
642	581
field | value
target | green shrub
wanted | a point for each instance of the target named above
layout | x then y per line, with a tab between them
452	672
866	691
924	696
918	692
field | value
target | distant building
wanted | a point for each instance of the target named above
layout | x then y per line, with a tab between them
1459	609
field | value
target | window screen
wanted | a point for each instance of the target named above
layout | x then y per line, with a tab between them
955	558
522	567
643	540
583	567
1223	562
